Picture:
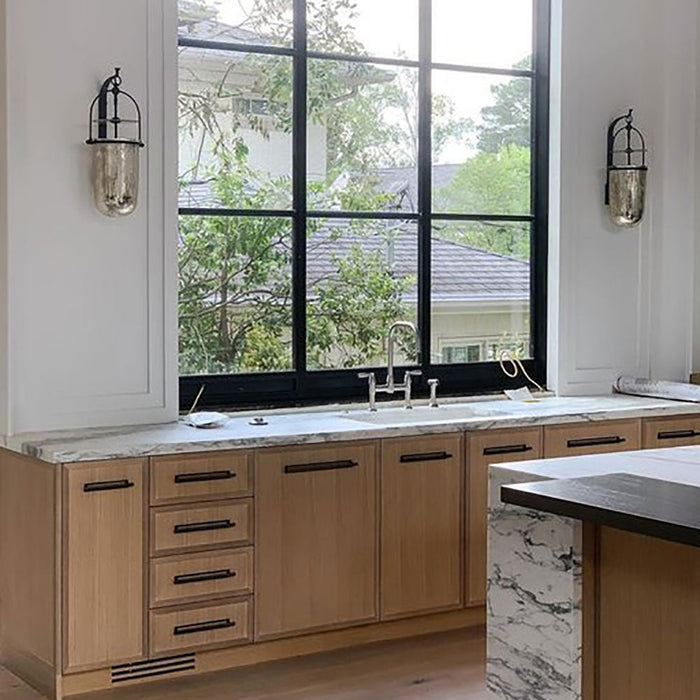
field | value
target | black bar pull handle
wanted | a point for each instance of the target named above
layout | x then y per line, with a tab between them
204	627
506	450
320	466
204	526
202	576
108	485
595	441
204	476
677	434
425	457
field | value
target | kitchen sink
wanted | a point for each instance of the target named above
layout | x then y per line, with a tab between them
422	414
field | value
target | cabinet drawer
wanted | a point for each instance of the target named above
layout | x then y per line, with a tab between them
223	475
592	438
671	432
209	626
194	577
485	448
212	525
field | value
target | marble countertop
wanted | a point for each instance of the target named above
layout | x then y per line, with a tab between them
286	428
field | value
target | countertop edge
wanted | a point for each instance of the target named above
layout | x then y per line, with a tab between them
59	448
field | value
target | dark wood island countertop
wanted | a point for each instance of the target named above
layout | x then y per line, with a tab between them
652	507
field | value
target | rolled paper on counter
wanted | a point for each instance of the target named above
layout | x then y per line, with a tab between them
674	391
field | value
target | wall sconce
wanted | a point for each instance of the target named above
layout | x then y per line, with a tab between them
625	190
115	163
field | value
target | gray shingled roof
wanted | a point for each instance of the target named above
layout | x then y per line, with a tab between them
460	272
402	183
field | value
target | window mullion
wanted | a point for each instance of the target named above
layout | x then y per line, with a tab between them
299	188
424	181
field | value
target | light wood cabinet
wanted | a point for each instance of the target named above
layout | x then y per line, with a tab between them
187	578
104	563
485	448
119	563
421	525
206	477
200	626
592	438
205	526
671	432
316	538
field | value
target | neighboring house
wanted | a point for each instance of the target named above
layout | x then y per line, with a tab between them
478	296
481	299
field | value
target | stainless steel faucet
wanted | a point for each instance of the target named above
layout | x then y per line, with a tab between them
390	387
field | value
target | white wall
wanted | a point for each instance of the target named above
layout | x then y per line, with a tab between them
90	300
625	298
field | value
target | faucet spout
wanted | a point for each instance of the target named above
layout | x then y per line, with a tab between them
391	349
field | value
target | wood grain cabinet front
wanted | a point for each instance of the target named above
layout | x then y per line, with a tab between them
485	448
187	578
421	525
671	432
205	477
206	526
200	627
103	571
316	538
592	438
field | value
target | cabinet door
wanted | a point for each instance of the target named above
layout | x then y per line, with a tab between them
671	432
592	438
316	539
485	448
104	563
421	533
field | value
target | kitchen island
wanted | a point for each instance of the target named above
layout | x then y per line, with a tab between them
594	577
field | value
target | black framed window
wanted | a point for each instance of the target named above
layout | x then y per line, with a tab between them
345	164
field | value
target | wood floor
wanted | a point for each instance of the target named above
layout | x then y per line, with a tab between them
447	666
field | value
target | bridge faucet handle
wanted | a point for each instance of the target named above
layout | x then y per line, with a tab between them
372	379
407	383
433	384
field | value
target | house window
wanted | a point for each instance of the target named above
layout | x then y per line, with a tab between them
347	165
461	354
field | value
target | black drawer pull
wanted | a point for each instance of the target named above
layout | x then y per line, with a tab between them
107	485
507	450
320	467
204	526
201	576
204	476
593	442
677	434
204	627
425	457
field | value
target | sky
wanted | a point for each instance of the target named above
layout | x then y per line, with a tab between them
492	33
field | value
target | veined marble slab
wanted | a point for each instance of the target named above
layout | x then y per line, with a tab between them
534	618
332	425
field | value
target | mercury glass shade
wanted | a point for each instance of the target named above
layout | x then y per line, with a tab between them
627	196
116	177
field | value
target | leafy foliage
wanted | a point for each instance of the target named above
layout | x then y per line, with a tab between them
507	121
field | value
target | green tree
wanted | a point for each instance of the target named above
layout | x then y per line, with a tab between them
508	120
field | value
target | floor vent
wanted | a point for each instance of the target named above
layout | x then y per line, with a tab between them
153	667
